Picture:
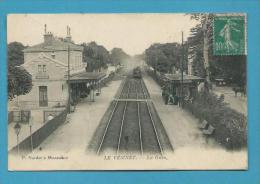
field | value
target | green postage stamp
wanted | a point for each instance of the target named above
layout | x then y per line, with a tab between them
229	35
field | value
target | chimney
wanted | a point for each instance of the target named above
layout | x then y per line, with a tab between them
45	28
48	36
68	37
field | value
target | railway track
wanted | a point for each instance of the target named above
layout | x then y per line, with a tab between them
137	91
131	127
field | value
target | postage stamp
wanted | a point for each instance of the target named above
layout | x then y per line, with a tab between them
229	35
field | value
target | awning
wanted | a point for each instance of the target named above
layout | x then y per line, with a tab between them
86	77
186	78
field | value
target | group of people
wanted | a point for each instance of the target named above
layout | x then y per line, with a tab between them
170	95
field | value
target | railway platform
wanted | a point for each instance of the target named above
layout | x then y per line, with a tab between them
179	124
75	134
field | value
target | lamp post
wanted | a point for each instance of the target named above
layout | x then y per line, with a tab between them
31	138
94	86
17	129
182	61
69	87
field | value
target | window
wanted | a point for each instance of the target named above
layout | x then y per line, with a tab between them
39	68
43	98
21	116
44	68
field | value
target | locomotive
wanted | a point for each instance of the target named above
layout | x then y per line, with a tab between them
137	73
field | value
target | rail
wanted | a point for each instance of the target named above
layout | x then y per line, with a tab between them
105	132
121	130
157	137
122	122
138	88
139	121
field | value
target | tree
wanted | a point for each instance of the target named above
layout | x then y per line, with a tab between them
195	51
15	54
96	56
19	80
165	57
204	29
118	56
231	68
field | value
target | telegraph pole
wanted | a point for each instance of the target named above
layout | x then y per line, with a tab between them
69	78
182	61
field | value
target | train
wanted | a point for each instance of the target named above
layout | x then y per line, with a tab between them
137	73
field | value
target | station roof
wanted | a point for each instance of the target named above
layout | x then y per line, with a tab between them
55	45
186	78
86	77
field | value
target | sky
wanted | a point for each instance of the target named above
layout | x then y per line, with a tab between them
132	32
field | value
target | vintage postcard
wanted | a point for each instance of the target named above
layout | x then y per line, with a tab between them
140	91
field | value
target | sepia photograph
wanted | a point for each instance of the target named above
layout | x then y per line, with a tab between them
127	91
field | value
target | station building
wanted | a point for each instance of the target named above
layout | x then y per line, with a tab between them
49	64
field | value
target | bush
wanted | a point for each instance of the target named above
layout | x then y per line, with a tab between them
155	77
230	125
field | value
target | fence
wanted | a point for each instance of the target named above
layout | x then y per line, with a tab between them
40	135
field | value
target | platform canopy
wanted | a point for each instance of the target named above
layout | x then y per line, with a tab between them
86	77
176	78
